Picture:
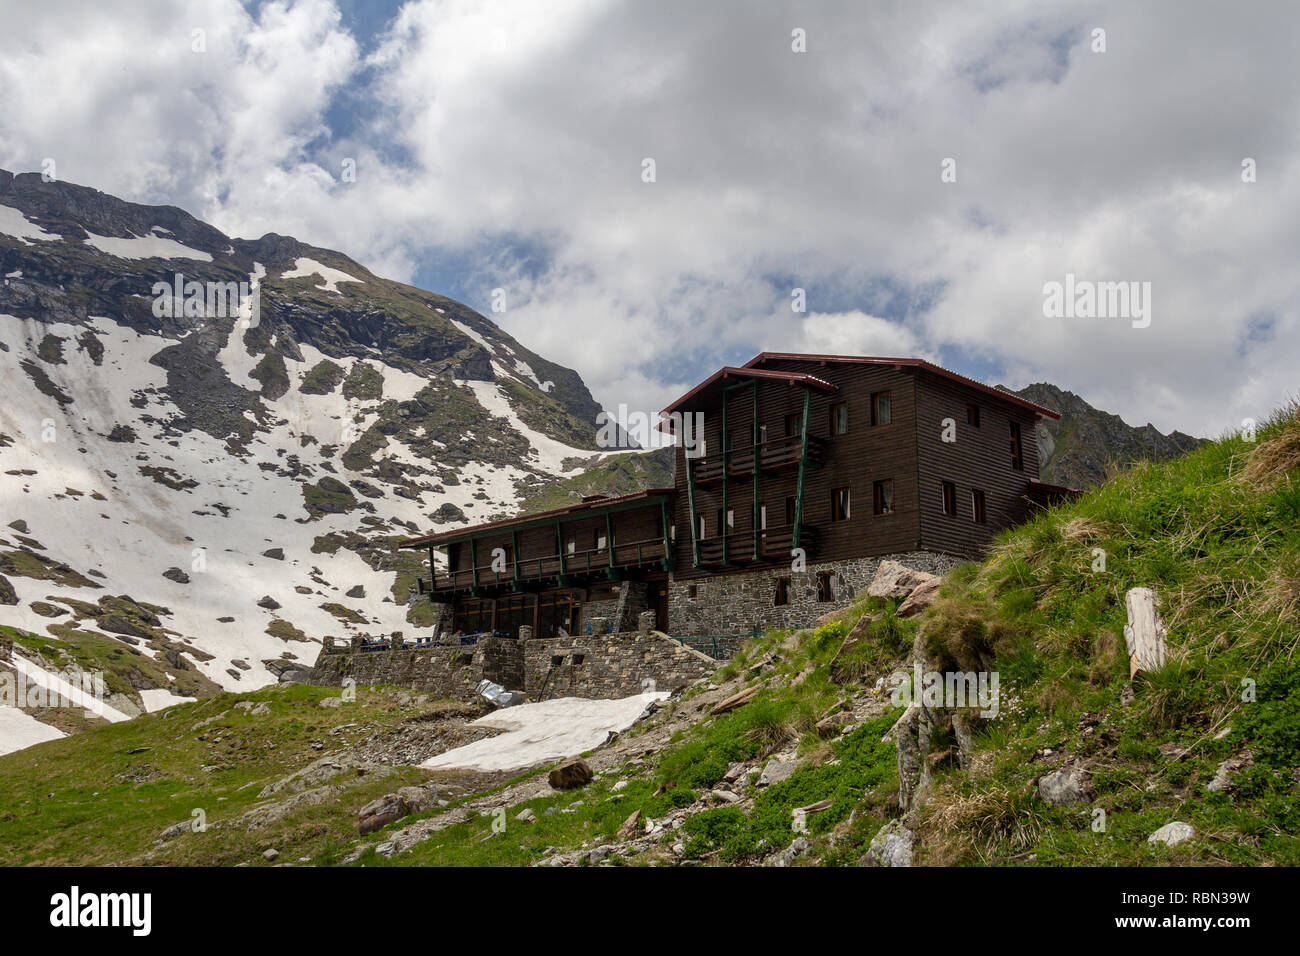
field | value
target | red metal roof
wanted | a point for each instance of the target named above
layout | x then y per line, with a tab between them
589	503
730	371
909	362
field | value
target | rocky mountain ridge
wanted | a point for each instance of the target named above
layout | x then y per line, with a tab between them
210	445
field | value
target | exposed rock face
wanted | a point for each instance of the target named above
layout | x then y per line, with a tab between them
570	774
332	401
7	593
921	597
1172	834
1066	787
1076	450
891	846
894	580
377	814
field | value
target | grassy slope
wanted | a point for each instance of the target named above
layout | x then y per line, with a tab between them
1215	533
104	796
1219	539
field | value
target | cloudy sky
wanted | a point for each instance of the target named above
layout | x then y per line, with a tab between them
920	169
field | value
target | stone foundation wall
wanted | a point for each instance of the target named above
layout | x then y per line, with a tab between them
734	603
605	668
624	610
618	665
445	671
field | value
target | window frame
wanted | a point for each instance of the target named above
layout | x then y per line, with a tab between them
875	409
782	596
877	496
948	498
835	409
839	514
978	506
1017	447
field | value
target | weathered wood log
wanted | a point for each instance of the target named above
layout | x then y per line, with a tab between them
1144	634
735	700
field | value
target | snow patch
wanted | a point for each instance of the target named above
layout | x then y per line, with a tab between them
161	699
19	730
151	246
543	732
14	223
309	267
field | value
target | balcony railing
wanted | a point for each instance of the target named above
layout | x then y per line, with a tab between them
773	455
533	569
774	545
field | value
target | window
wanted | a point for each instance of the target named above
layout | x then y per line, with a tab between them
882	497
949	497
825	587
762	517
1017	452
702	533
761	437
840	418
789	510
600	539
793	425
729	524
973	416
571	546
977	505
839	504
881	410
782	592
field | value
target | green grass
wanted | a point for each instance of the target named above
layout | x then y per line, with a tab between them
103	796
1221	548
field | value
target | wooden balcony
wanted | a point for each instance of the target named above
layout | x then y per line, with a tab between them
539	570
774	545
775	454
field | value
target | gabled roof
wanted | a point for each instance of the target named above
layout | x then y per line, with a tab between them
589	503
730	371
997	393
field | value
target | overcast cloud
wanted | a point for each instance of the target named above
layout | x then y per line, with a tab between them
502	145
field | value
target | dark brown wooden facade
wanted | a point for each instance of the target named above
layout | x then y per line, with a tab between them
540	570
839	457
864	476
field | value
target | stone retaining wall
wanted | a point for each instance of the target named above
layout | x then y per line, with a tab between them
618	665
734	603
449	671
605	668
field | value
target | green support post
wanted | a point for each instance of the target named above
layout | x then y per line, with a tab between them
514	552
803	464
690	498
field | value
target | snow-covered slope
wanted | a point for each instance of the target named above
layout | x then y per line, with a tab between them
215	493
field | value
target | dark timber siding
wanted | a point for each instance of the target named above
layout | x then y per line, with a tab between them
866	454
980	458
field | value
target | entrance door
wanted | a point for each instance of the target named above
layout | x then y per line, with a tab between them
661	605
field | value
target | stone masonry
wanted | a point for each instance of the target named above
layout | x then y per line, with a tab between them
608	667
617	665
735	603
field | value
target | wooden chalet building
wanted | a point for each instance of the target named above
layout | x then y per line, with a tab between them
809	470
